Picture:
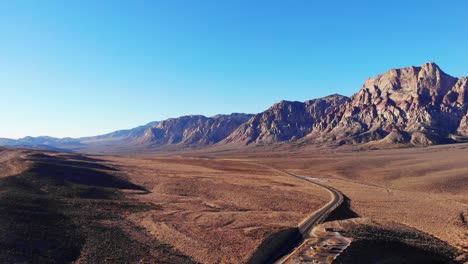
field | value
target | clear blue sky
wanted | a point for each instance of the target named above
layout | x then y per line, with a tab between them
78	68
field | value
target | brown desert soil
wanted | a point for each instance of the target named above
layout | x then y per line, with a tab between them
217	210
423	188
63	209
218	205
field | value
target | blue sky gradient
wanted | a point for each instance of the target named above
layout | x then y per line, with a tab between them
80	68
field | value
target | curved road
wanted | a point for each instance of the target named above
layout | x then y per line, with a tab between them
316	217
321	214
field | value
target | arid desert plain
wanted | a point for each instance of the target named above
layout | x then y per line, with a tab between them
233	206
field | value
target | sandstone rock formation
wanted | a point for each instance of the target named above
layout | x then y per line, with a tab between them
422	105
285	121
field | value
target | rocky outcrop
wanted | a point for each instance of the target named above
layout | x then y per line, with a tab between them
463	128
285	121
192	130
421	104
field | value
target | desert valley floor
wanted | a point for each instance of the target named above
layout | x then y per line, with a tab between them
221	206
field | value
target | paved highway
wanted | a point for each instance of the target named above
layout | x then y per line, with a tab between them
308	223
321	214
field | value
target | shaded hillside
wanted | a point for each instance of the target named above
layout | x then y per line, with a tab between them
71	208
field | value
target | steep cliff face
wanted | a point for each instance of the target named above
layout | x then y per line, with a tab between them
192	130
285	121
422	105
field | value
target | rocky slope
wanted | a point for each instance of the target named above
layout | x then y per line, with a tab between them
285	121
418	105
192	130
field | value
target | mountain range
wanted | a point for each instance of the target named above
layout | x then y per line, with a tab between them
410	106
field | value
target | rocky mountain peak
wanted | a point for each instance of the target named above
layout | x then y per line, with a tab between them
414	99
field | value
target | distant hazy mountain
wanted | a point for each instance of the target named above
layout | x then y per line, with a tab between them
77	144
119	135
44	142
7	142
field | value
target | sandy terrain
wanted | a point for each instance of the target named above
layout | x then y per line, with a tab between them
217	210
218	206
424	188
